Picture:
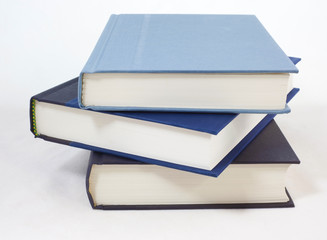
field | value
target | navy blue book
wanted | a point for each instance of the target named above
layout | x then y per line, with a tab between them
203	143
255	179
192	63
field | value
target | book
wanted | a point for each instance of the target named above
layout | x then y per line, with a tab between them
171	62
203	143
255	179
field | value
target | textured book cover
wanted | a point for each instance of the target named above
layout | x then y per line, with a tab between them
269	147
185	43
209	123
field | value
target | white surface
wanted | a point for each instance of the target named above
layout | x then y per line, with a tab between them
42	187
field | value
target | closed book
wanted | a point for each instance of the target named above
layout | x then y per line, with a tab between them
206	63
203	143
255	179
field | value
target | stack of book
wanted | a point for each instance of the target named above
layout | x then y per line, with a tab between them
177	111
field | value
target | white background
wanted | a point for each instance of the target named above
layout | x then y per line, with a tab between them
44	43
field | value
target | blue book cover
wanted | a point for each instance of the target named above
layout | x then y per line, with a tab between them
187	43
210	123
175	43
269	147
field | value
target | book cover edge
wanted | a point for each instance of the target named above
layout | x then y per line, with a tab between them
287	204
294	60
213	173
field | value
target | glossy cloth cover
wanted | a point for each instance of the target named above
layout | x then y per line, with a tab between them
211	123
269	147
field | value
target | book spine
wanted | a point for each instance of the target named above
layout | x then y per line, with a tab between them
44	97
33	128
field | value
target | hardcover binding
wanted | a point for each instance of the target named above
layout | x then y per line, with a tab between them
66	94
131	43
262	150
213	173
68	98
287	204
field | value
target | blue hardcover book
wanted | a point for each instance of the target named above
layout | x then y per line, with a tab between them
204	63
255	179
203	143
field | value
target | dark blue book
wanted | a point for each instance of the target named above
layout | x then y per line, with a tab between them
255	179
206	63
203	143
